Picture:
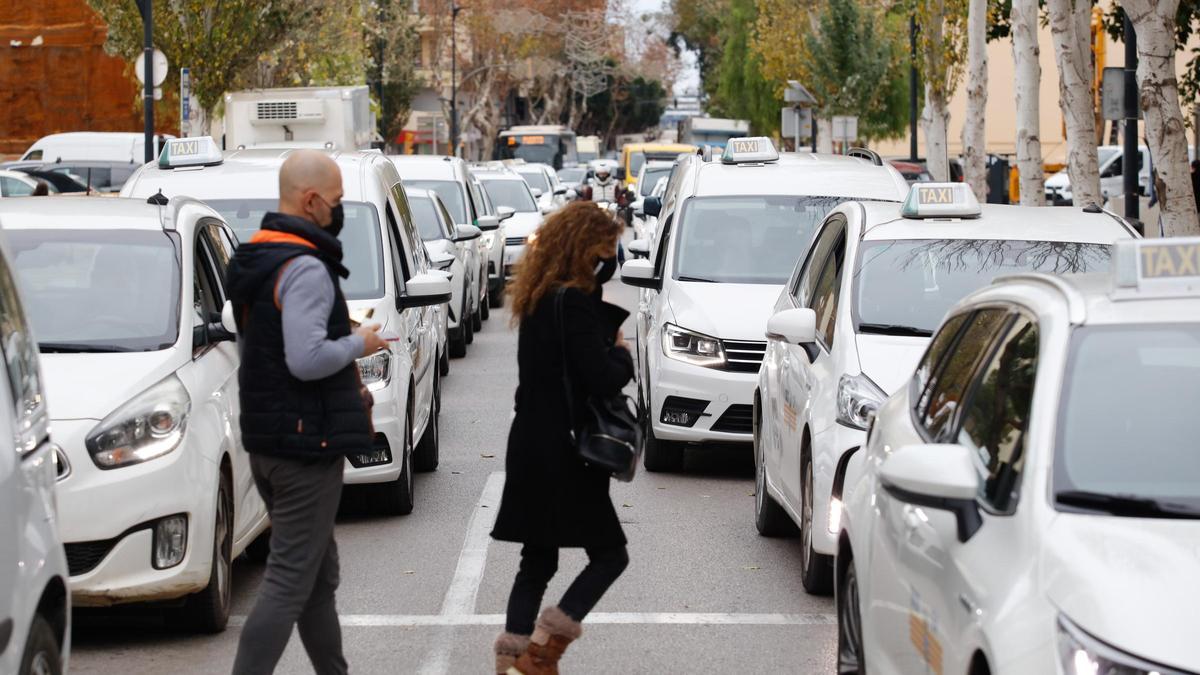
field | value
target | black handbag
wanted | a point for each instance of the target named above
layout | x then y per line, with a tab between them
609	436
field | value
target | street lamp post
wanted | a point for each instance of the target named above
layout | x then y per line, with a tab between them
146	8
454	10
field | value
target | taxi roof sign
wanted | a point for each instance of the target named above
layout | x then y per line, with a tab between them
940	200
1158	266
194	151
749	150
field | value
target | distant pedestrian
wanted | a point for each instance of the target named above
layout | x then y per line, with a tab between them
551	499
302	408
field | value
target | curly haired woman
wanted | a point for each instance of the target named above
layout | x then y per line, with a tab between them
552	499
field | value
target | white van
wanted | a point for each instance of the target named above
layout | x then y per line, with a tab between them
1112	176
96	146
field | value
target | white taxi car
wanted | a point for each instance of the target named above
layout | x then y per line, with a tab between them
35	607
731	232
1029	500
390	284
856	315
155	496
550	192
455	245
517	207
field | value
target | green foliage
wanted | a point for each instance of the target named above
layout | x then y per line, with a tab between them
394	45
742	92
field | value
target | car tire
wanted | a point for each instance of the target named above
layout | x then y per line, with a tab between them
42	656
208	610
396	498
468	324
850	657
260	549
457	340
444	362
769	517
816	569
425	457
477	318
659	456
496	295
485	307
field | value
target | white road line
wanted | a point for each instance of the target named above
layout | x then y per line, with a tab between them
460	597
597	618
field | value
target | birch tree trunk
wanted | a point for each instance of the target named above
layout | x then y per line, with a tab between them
935	118
1028	78
1158	91
1070	28
974	140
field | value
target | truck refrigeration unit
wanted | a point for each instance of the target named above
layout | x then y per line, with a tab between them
335	118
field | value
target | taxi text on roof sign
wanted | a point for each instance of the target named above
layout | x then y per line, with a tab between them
1161	266
940	200
197	151
755	150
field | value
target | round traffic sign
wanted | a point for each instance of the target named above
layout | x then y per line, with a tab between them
160	68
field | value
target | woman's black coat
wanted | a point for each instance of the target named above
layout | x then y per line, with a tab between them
551	498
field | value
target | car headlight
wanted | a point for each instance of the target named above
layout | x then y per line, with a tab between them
1082	654
376	368
858	399
691	347
148	426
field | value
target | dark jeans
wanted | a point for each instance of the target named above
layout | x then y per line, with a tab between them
302	569
538	566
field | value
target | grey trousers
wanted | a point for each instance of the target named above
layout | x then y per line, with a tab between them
302	569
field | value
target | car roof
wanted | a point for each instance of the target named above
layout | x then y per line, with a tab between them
81	213
660	147
498	175
801	174
252	172
997	221
429	167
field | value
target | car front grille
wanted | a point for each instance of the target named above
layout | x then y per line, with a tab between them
82	557
744	357
737	419
515	241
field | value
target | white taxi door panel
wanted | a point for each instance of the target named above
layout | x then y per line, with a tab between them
649	314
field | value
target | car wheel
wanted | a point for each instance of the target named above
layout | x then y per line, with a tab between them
850	642
260	549
208	610
816	570
496	296
41	656
769	517
477	318
444	362
426	456
396	498
659	456
485	309
457	340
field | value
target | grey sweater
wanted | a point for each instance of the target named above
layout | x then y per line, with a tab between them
306	296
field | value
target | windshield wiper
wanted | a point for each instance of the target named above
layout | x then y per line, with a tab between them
894	329
699	279
1124	505
78	348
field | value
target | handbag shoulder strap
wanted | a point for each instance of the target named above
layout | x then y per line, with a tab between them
559	294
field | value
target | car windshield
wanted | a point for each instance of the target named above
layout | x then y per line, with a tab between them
425	214
362	253
913	283
537	180
650	179
511	193
572	175
99	290
636	160
451	194
746	240
1105	154
1128	424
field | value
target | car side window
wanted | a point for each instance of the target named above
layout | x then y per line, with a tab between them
447	223
660	246
206	299
996	419
938	348
825	294
21	362
398	262
944	395
829	237
221	248
15	188
402	219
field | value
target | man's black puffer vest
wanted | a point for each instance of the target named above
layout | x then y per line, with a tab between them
283	415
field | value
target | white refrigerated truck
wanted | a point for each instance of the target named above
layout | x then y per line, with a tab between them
336	118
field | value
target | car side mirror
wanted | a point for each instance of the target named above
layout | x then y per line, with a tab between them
228	320
560	189
466	232
546	210
488	223
936	476
537	193
211	332
797	326
640	273
505	212
424	290
652	206
640	248
572	194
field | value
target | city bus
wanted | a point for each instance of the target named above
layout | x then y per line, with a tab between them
553	145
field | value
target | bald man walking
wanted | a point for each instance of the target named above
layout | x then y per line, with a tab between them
302	407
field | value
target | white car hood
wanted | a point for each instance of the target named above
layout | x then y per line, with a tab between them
727	311
522	224
889	360
90	386
1130	582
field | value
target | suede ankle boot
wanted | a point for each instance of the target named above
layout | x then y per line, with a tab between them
508	647
551	635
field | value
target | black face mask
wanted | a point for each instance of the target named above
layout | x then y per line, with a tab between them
337	218
605	269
